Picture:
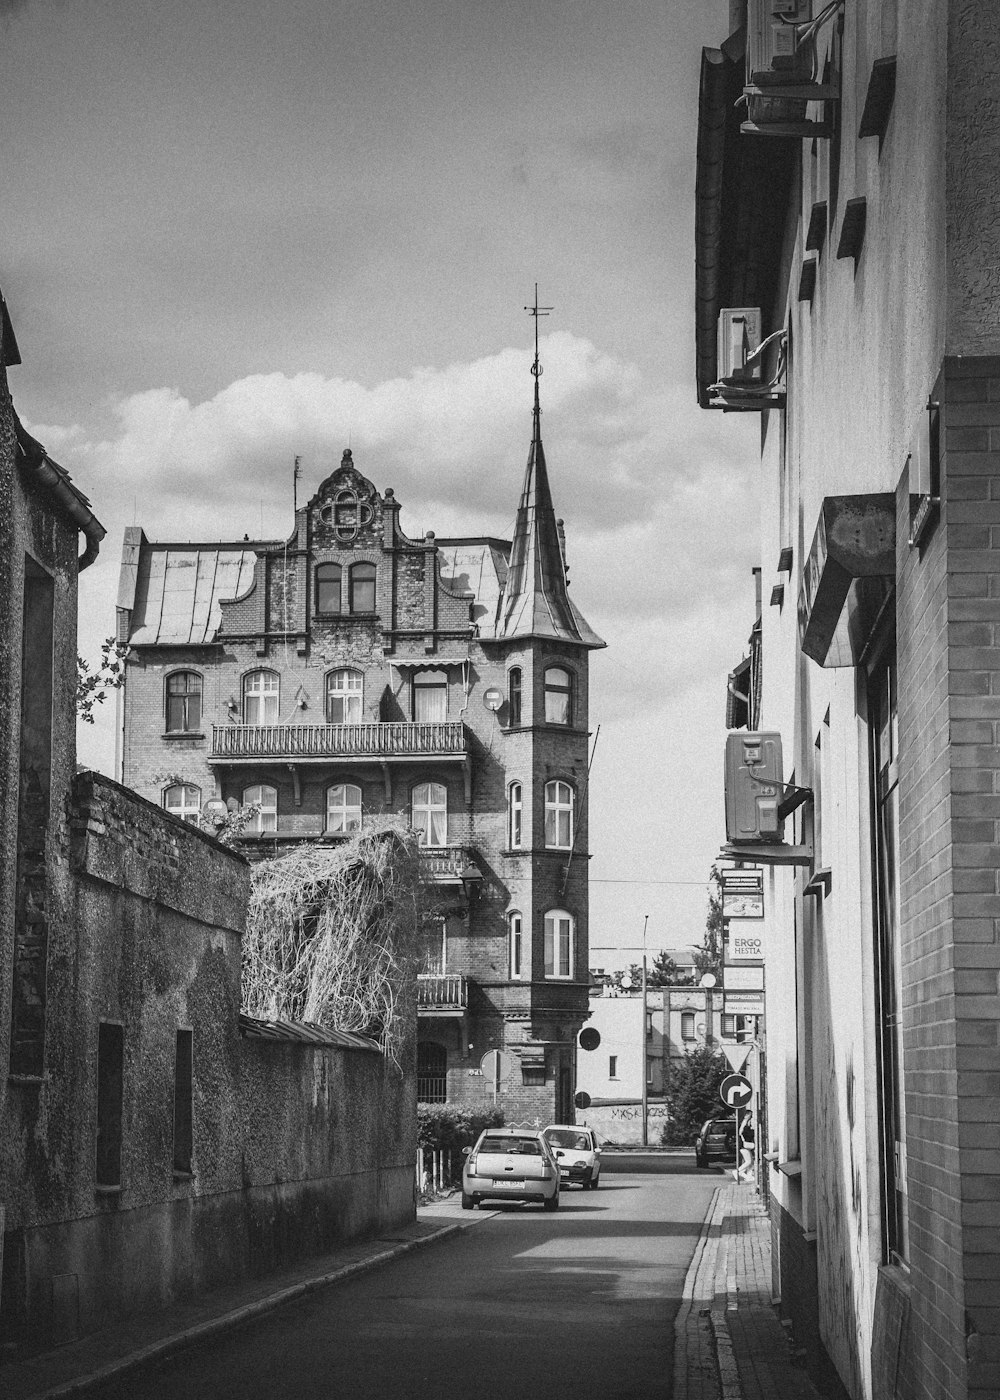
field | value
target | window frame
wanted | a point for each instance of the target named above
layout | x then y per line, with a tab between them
187	727
248	694
423	832
318	582
553	945
420	685
345	808
515	946
557	809
347	693
688	1018
355	582
255	826
612	1066
515	816
515	697
183	811
568	690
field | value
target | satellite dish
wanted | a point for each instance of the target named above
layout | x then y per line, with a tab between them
215	811
493	698
590	1039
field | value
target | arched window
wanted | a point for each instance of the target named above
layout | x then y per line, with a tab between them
430	696
266	798
362	588
432	1072
559	950
344	697
514	813
183	702
514	696
515	945
559	797
558	696
260	697
184	801
429	809
328	588
343	807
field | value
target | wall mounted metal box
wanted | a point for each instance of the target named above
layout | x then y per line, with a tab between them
754	783
739	336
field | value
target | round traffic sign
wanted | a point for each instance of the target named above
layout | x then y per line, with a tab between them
496	1065
582	1099
735	1091
590	1038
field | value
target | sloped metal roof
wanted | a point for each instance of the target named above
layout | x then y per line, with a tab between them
179	591
478	567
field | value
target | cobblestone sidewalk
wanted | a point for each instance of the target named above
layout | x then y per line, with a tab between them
729	1342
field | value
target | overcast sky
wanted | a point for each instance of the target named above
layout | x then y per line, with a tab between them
235	231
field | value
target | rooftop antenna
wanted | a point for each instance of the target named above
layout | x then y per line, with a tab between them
536	368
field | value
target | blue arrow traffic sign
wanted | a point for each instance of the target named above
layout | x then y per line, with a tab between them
735	1091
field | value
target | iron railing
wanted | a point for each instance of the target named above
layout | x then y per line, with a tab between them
415	738
448	991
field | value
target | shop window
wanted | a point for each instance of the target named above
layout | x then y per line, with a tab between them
429	814
514	696
515	945
343	808
328	588
110	1072
687	1025
183	1102
884	742
559	941
559	799
261	691
430	696
183	702
362	588
514	815
183	800
345	693
432	1072
265	799
558	696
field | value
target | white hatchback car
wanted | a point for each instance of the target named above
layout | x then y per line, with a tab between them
578	1153
510	1164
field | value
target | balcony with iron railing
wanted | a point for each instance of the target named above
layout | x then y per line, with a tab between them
442	994
237	743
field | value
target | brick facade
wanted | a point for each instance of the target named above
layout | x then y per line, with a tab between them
426	595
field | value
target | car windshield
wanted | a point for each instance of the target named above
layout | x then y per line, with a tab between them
563	1137
527	1147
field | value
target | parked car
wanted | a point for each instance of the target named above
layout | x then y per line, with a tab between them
578	1153
716	1142
510	1164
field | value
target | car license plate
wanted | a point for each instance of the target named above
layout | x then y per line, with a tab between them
506	1181
564	1171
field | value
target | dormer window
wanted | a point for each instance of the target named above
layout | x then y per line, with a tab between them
328	588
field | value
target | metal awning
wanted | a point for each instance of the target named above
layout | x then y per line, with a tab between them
848	577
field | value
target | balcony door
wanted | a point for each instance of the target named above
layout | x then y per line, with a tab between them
429	814
344	697
433	959
260	697
430	697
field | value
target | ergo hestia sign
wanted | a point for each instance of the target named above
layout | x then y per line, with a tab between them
745	941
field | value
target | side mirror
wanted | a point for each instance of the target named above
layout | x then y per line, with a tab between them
466	1151
560	1153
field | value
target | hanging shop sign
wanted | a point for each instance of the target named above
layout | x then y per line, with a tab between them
742	894
744	941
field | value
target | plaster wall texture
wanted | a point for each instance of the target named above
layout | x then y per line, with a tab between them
865	355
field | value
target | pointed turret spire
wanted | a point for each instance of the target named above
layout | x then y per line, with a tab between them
535	601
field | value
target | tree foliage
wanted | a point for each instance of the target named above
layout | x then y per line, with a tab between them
443	1126
92	686
691	1092
709	956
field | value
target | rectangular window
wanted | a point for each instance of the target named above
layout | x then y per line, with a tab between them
728	1027
110	1069
430	697
687	1025
558	945
516	946
183	1103
612	1066
649	1071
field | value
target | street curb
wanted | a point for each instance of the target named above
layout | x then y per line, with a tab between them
202	1330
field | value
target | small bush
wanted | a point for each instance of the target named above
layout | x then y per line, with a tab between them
449	1128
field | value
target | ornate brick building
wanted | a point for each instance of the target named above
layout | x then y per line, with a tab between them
349	670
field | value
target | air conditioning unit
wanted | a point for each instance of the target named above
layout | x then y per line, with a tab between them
771	41
739	336
754	785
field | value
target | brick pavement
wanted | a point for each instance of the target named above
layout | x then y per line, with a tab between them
729	1341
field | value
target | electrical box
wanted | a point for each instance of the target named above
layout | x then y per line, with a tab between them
771	39
739	336
754	784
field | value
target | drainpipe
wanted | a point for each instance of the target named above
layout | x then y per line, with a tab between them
56	482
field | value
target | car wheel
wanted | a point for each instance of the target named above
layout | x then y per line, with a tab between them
552	1203
467	1201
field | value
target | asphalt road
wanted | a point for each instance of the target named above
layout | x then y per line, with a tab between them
572	1305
